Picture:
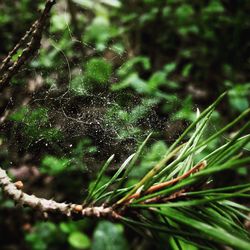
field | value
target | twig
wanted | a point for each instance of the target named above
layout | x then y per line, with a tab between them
5	62
14	191
151	173
173	196
193	170
76	31
31	47
162	185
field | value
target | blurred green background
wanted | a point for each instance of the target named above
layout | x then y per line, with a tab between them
108	73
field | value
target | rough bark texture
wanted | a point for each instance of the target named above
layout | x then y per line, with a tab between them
13	190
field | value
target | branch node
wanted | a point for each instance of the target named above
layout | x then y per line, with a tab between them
19	185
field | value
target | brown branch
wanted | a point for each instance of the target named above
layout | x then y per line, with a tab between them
173	196
5	62
14	191
31	47
193	170
162	185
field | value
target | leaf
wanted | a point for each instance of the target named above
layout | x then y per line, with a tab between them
129	66
239	97
132	80
113	3
59	22
42	235
216	233
186	70
156	80
214	7
114	178
79	240
170	67
67	227
100	32
184	12
94	186
109	236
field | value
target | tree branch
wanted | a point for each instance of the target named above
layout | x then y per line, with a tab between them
8	69
162	185
14	191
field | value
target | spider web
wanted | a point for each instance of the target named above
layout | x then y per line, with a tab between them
64	123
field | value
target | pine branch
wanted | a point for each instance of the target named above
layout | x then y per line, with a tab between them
162	185
215	221
14	191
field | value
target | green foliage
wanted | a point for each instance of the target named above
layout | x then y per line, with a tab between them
215	220
96	75
35	124
99	32
59	22
126	121
149	159
57	165
53	166
239	97
79	240
186	112
48	235
98	70
109	236
44	234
